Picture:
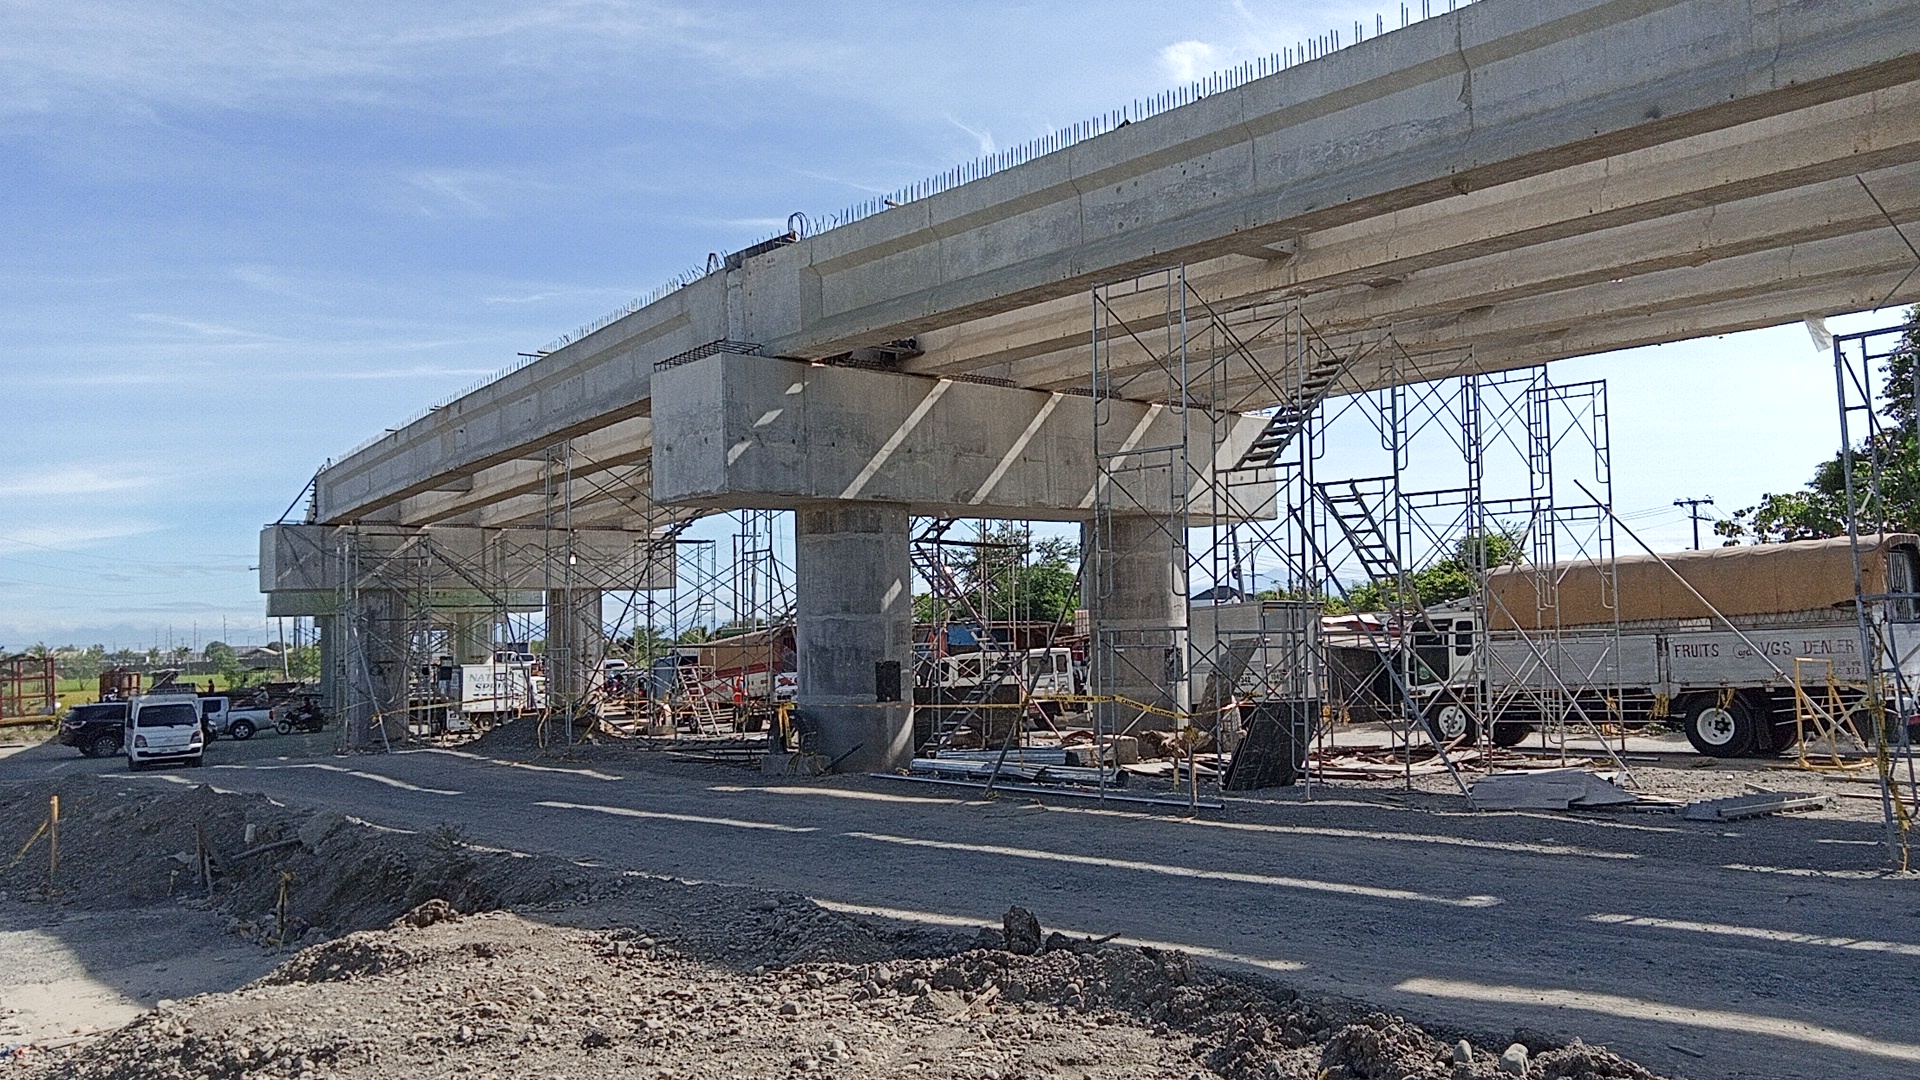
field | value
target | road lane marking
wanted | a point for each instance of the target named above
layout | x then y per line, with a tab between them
1641	1009
1521	846
934	918
1759	933
847	793
1804	871
591	773
375	777
696	819
1311	884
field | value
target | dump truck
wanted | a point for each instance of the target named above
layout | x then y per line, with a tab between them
1645	648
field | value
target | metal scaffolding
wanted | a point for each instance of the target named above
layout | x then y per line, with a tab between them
1348	498
1882	412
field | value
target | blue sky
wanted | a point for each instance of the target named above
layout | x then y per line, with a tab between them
235	241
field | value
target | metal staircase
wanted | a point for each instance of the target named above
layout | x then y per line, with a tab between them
1348	506
1321	374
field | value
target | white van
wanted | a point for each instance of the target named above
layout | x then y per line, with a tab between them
164	728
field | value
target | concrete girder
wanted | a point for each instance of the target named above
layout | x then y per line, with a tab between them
1744	293
1835	212
628	487
593	382
1648	210
620	443
1487	96
1388	124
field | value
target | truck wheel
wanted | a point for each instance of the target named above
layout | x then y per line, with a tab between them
1722	733
242	730
103	745
1509	735
1786	736
1452	722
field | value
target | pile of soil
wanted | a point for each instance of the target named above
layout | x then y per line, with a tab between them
501	994
127	845
598	973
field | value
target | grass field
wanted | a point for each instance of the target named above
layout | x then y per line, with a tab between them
80	691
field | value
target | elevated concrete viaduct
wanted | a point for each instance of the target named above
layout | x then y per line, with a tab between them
1516	182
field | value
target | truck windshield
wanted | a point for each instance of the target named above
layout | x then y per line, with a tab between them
182	715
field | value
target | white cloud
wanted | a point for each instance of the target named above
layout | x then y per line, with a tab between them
77	480
202	327
981	136
66	537
1186	61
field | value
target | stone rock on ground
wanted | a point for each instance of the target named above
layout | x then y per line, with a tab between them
1022	931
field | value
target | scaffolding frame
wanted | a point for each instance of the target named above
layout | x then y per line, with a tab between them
1868	410
1237	518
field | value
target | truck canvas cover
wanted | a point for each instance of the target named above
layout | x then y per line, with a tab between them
1761	579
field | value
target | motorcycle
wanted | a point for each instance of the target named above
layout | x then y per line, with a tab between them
304	717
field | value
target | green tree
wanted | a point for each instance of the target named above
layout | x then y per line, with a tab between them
227	664
1819	508
1451	577
303	662
1008	574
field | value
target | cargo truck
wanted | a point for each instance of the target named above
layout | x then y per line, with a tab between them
1647	649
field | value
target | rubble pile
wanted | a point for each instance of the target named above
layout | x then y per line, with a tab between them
437	994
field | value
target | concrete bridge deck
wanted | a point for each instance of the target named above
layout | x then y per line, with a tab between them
1504	185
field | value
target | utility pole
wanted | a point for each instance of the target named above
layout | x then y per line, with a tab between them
1693	511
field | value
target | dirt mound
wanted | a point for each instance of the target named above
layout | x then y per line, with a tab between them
1578	1061
1382	1045
499	994
690	979
344	958
280	872
433	911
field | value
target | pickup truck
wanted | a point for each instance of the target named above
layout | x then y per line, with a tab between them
96	729
221	718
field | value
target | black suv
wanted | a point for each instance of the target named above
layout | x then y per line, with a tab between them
99	730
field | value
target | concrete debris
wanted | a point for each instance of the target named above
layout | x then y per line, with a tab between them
1513	1060
1756	805
1550	789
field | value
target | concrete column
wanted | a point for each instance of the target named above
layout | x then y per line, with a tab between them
373	678
1138	600
853	614
576	641
327	627
472	637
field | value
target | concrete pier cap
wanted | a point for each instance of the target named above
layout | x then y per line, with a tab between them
857	452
